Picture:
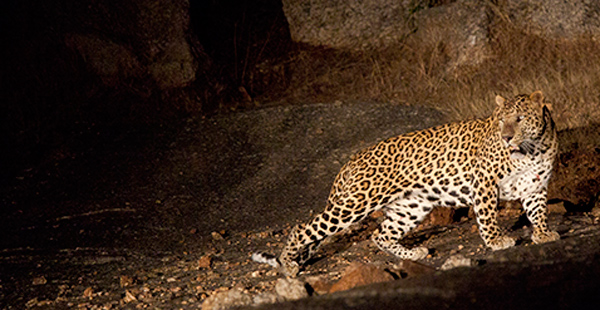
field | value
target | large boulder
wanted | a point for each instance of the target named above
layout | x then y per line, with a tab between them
462	28
343	24
141	39
555	19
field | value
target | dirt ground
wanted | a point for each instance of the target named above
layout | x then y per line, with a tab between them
166	217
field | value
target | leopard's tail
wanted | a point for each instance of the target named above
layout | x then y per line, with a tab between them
266	258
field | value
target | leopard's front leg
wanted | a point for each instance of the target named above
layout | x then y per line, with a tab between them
537	212
485	206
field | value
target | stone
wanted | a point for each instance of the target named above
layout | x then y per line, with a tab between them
359	274
557	208
125	281
411	268
205	262
456	261
235	297
319	284
555	19
291	289
129	297
460	28
266	298
596	211
439	216
140	40
353	25
39	281
576	180
110	61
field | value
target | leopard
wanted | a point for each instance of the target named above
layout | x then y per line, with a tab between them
473	163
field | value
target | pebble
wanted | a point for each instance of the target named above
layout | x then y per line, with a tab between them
205	262
39	280
217	236
129	297
358	274
290	289
266	298
456	261
235	297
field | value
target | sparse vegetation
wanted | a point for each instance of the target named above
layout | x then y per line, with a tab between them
419	73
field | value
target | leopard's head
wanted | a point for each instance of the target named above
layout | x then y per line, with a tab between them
523	122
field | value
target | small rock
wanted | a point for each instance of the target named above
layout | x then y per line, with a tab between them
456	261
266	298
31	303
358	274
39	280
205	262
412	268
439	217
125	281
319	284
255	274
175	289
217	236
271	273
234	297
290	289
88	293
596	210
129	297
557	208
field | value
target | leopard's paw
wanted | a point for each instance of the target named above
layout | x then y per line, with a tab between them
418	253
289	269
501	243
543	237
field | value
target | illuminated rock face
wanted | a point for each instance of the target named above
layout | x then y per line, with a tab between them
462	27
348	24
555	19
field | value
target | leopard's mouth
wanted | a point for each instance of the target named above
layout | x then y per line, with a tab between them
511	146
519	151
516	152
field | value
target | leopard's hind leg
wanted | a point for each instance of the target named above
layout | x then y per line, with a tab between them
305	239
402	216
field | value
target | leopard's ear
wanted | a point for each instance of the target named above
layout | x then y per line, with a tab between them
547	117
500	101
537	97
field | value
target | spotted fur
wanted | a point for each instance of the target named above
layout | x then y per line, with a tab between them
507	156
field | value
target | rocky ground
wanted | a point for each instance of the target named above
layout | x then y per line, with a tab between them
169	220
223	276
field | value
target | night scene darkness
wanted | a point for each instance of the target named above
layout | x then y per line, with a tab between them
220	154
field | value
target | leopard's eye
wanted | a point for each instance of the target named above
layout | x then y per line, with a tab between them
520	118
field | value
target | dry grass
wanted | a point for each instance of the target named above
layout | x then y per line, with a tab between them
420	73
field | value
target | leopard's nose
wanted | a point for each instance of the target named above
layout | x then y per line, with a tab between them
507	138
